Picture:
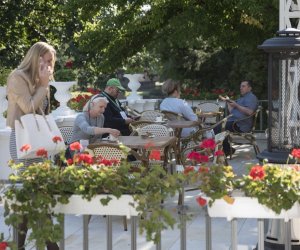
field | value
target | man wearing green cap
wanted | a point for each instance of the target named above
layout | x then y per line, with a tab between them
115	116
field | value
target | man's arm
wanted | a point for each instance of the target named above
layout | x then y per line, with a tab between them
242	109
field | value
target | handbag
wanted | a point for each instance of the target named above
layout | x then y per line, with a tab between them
38	131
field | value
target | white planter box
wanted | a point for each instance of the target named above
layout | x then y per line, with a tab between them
246	207
125	205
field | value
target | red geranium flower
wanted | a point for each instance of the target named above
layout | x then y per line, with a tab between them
3	245
85	158
208	143
188	169
194	156
25	147
296	153
257	172
203	169
69	64
219	153
201	201
154	155
42	153
75	146
69	161
150	144
56	139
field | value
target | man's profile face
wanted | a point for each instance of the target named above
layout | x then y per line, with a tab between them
114	92
244	88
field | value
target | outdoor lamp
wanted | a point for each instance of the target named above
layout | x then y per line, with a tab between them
283	95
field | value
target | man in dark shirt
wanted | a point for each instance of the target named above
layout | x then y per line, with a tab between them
115	116
241	108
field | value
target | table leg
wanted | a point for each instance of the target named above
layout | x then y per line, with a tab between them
62	240
109	232
261	234
85	220
133	232
287	243
234	234
208	230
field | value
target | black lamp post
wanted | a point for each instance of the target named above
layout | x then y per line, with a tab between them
283	95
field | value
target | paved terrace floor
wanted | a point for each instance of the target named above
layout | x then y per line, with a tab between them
221	230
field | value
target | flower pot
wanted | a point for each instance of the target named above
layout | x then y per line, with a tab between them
246	207
125	205
62	95
134	85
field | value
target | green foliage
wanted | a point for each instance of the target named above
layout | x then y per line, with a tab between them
278	188
44	185
4	72
217	181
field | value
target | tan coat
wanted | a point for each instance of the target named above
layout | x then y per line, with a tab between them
20	91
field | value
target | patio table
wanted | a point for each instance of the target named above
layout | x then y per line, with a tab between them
144	144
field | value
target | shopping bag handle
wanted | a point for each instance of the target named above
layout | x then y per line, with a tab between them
43	114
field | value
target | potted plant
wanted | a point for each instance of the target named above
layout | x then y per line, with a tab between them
276	187
45	185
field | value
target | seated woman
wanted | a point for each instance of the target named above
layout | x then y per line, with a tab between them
173	103
88	125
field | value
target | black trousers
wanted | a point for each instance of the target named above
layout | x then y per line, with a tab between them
22	231
229	127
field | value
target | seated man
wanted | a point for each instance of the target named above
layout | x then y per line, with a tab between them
115	116
173	103
241	108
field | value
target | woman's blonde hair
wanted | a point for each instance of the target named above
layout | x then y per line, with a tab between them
31	62
94	99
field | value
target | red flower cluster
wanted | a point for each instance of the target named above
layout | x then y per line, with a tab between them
208	143
219	153
203	169
3	245
296	154
83	158
188	169
42	153
218	91
257	172
106	162
195	156
56	139
25	147
69	64
201	201
93	91
154	155
75	146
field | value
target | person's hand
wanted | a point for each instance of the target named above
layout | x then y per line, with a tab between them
128	120
45	71
114	132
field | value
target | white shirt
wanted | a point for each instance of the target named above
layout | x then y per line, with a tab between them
180	106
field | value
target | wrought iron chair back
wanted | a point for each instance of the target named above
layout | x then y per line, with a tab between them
151	115
210	107
171	116
156	130
134	126
249	137
67	133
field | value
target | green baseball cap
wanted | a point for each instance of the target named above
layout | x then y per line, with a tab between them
114	82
